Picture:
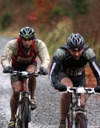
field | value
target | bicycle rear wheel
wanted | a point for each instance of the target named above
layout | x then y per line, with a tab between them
24	113
81	121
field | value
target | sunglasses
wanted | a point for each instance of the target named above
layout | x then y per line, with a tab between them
27	39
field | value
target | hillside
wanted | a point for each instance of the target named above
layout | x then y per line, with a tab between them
18	11
23	13
39	14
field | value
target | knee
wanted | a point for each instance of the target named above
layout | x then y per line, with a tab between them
32	78
16	91
66	96
17	87
67	82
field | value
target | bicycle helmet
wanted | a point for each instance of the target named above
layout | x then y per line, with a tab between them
27	33
75	42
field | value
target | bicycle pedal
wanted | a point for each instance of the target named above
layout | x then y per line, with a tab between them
33	107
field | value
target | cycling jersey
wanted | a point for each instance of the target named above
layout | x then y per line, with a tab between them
21	57
63	61
14	51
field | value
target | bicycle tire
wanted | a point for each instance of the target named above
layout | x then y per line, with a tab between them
24	113
81	121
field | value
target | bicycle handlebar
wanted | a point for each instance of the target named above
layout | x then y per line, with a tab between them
80	90
25	73
97	89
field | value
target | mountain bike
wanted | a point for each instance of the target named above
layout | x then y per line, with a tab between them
23	114
77	115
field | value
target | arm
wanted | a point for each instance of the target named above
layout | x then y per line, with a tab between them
55	66
42	53
95	68
7	53
90	56
54	69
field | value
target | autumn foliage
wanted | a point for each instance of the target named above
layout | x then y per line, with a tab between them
42	10
90	79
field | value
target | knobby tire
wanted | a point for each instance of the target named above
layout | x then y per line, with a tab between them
24	113
81	121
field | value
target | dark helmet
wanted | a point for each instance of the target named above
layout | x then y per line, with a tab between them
27	33
75	42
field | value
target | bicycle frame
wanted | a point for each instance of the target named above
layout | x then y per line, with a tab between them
23	114
75	106
24	93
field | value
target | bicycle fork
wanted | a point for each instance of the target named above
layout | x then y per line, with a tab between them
22	95
74	109
26	93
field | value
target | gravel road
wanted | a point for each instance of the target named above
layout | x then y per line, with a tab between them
47	113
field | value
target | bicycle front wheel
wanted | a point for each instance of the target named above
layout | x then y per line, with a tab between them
81	121
24	113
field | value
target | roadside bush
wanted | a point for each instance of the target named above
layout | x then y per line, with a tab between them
58	36
5	21
56	10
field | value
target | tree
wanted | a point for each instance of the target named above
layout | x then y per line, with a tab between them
76	8
42	9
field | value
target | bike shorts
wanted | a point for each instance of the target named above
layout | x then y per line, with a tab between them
76	80
22	68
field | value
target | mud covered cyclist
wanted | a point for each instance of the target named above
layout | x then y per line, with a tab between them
22	52
67	69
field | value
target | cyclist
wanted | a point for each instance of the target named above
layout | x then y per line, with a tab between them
67	69
20	54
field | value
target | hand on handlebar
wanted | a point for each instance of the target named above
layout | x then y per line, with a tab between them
97	89
60	87
43	71
7	69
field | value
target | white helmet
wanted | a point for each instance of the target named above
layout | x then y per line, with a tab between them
75	42
27	33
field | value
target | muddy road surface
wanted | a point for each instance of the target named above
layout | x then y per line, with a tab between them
46	114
